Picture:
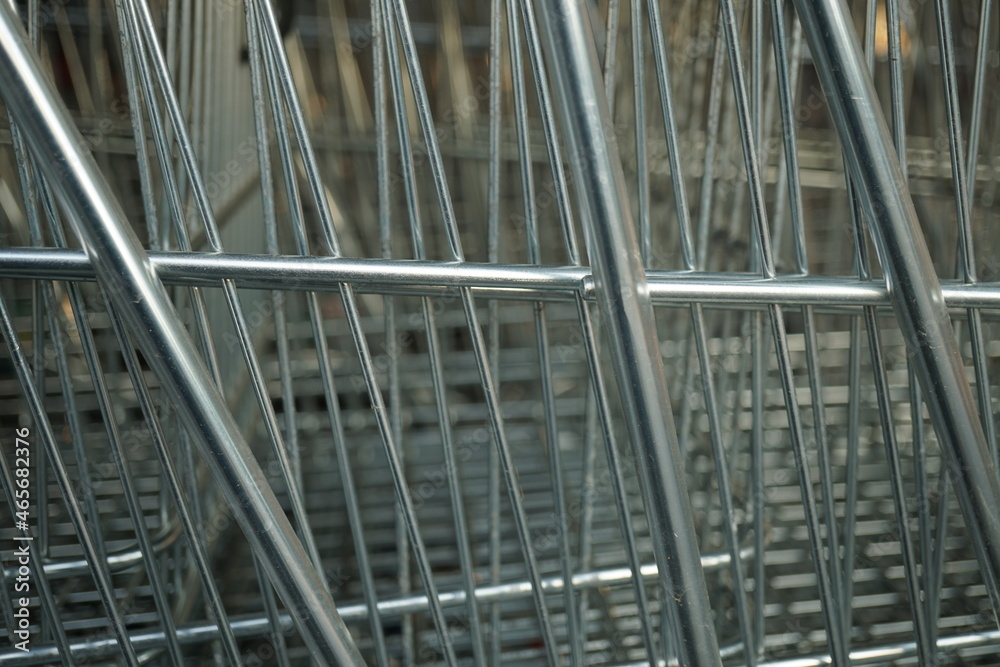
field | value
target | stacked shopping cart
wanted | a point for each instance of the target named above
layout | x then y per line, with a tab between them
513	331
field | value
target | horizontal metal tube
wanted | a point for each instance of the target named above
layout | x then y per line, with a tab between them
254	626
522	589
873	655
286	272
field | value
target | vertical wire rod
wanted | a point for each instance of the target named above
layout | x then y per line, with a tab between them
624	300
85	533
963	205
440	388
551	424
279	65
298	227
748	112
912	282
486	374
125	274
140	22
925	614
976	119
380	117
120	457
493	320
172	479
601	411
698	334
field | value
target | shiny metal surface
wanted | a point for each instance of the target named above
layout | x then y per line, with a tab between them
516	281
122	268
623	298
366	217
911	280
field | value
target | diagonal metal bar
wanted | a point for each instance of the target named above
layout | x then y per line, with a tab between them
124	271
623	297
912	283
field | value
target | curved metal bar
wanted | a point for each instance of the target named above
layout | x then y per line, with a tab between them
118	561
126	276
251	626
623	297
913	285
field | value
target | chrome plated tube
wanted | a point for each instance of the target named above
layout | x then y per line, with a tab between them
255	626
519	281
912	282
127	277
876	655
623	297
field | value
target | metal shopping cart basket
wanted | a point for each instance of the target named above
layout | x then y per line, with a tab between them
510	331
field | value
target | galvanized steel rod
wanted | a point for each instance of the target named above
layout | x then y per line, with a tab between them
623	297
912	282
520	281
125	273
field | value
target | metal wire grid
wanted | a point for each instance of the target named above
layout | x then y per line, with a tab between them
493	365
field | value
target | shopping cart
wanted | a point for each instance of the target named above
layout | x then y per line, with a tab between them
526	332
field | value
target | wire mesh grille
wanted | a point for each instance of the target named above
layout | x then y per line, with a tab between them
365	215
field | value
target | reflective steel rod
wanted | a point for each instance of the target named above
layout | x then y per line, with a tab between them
256	626
912	282
519	281
623	298
124	272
